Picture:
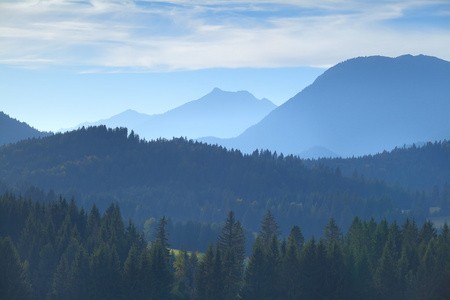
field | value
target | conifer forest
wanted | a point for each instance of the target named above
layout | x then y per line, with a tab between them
54	250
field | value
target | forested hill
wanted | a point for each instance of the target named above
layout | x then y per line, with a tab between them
12	130
189	180
424	167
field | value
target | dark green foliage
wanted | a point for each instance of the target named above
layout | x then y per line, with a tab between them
13	283
332	232
193	181
297	235
420	167
232	236
204	283
256	276
231	242
162	237
161	275
291	270
184	277
232	274
269	229
372	261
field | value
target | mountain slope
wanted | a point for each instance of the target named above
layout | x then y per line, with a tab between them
361	106
425	167
12	130
219	113
189	180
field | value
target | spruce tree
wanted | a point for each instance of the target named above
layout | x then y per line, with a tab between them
13	283
291	270
161	275
204	287
162	236
332	232
297	235
256	274
269	228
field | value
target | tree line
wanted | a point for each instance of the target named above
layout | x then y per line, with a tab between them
56	251
188	180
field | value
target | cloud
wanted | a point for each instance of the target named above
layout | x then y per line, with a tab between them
174	35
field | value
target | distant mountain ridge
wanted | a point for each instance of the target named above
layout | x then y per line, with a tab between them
12	130
361	106
219	113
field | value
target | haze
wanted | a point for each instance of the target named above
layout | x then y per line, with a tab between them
67	62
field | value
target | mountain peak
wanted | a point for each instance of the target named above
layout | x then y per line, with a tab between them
360	106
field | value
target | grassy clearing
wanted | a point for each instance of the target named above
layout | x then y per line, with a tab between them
176	252
439	221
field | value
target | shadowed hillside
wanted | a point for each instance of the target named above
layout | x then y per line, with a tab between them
12	130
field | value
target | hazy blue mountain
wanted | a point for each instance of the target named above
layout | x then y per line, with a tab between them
129	118
361	106
219	113
12	130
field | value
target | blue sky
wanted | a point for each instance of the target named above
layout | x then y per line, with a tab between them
66	62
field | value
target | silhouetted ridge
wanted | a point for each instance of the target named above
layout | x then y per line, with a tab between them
12	130
361	106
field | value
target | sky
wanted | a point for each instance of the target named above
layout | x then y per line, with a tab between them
66	62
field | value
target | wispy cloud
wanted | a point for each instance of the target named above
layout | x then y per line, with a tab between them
172	35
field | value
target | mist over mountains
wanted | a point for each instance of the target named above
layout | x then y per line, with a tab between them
361	106
219	113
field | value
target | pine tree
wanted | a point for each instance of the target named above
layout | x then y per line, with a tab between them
61	288
232	236
131	273
274	269
231	242
93	229
217	276
332	232
385	278
13	283
79	275
269	228
106	275
291	270
297	234
203	287
256	274
310	276
161	275
428	273
443	263
231	275
162	236
337	278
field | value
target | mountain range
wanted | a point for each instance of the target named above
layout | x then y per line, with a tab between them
361	106
12	130
220	114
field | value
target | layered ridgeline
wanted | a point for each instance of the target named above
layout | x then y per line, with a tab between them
424	167
12	130
189	180
220	113
361	106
